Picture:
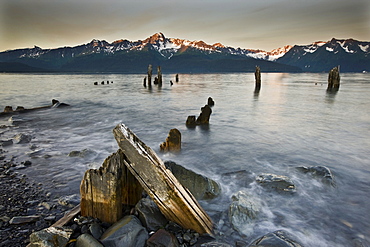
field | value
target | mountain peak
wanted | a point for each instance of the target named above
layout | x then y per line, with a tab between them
155	38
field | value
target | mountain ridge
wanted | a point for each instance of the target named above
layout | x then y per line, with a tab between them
176	54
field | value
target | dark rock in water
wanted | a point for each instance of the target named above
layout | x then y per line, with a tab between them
162	238
82	154
96	83
50	235
173	141
210	102
150	215
23	219
277	182
22	138
5	143
278	238
322	172
242	178
126	232
190	121
204	115
200	186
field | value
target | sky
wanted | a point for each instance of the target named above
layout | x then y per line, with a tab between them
249	24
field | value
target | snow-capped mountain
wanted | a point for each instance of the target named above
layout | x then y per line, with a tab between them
351	55
181	55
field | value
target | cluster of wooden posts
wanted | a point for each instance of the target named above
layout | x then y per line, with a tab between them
333	80
158	79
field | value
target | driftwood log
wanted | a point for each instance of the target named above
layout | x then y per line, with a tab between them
175	201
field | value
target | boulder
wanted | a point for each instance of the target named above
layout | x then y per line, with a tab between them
276	182
200	186
50	237
162	238
150	215
243	211
86	240
322	172
278	238
173	141
204	115
22	138
126	232
20	108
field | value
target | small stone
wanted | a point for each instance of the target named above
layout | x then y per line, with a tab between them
23	219
50	218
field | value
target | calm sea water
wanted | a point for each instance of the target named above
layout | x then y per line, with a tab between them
292	122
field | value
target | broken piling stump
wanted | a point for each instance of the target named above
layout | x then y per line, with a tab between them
257	75
105	191
174	201
173	142
159	76
150	75
334	79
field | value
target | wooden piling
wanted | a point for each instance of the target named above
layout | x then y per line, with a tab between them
106	191
150	75
257	75
159	76
333	79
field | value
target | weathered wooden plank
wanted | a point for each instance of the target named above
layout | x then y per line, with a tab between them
174	200
66	218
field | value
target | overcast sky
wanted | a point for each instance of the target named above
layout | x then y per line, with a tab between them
251	24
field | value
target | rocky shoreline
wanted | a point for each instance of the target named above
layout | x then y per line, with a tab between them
25	206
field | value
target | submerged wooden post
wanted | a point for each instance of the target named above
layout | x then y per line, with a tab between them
173	142
257	75
106	191
334	79
177	77
159	76
150	75
174	201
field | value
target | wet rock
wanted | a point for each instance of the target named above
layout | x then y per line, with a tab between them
86	240
204	115
173	141
278	238
149	215
22	138
243	211
162	238
276	182
82	154
322	172
50	237
126	232
5	143
69	201
214	244
23	219
200	186
20	108
96	230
